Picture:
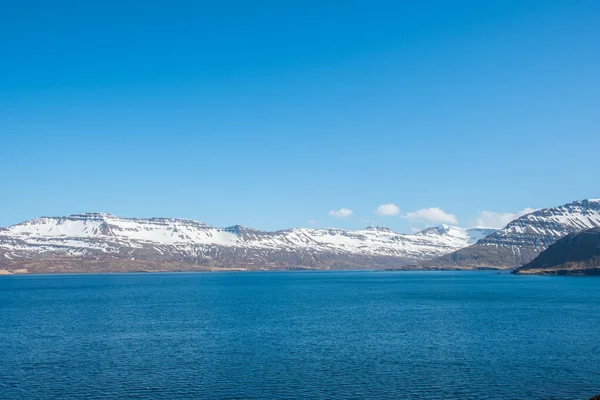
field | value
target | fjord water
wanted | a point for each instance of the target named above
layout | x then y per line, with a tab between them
422	335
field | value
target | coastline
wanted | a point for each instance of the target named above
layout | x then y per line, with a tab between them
23	271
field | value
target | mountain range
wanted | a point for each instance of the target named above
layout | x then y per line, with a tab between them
102	242
98	242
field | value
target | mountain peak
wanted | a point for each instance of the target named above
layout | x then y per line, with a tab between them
378	228
90	215
439	230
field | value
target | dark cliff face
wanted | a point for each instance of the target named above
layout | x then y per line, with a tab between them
575	254
524	238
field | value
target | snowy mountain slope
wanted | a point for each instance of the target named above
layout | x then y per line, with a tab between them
97	236
524	238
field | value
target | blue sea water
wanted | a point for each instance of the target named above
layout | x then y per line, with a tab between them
413	335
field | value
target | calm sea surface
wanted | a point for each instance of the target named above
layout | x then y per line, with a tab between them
416	335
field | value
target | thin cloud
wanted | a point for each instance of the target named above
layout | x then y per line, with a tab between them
341	213
492	219
432	215
385	210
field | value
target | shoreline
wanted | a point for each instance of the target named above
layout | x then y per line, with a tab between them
24	272
495	271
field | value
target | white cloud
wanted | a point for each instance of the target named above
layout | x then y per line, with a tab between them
415	230
431	215
492	219
312	221
341	213
387	209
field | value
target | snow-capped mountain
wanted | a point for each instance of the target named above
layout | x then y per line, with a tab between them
102	242
524	238
103	238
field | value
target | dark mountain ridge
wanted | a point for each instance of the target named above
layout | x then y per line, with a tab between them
575	254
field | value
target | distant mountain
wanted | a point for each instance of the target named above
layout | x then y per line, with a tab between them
102	242
575	254
524	238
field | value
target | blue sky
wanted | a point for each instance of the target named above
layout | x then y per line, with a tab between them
271	114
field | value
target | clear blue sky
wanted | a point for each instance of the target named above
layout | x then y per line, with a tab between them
272	113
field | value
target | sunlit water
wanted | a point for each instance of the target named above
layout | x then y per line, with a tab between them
436	335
